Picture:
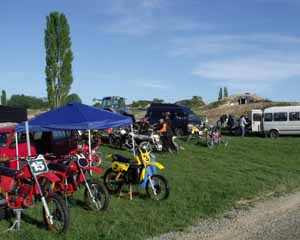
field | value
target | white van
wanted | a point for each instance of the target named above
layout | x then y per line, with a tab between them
275	121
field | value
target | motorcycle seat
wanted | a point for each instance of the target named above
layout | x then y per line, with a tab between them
57	167
122	159
8	172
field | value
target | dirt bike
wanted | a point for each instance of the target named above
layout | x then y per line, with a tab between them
72	171
83	148
152	141
121	137
214	137
142	170
21	188
197	132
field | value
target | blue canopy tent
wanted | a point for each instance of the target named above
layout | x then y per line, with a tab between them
75	116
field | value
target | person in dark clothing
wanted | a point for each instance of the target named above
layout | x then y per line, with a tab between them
169	132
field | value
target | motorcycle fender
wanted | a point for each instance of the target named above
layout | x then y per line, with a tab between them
94	169
156	164
143	174
50	176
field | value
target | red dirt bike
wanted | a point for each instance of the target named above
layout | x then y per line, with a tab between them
21	188
73	171
84	149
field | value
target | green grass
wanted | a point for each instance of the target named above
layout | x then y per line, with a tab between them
203	183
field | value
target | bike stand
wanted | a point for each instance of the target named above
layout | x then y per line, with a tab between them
17	223
130	191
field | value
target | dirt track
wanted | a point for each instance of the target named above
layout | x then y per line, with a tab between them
273	219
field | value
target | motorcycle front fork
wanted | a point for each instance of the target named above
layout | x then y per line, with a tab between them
97	203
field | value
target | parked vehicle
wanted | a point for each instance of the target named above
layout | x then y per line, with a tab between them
22	188
152	142
55	142
113	103
181	116
197	132
8	144
73	171
276	121
82	147
140	170
120	137
214	137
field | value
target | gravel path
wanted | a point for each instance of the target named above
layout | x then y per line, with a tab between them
273	219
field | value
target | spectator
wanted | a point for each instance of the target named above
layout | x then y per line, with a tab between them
243	123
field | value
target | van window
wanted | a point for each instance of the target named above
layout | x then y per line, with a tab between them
155	115
257	117
294	116
192	117
268	117
179	115
280	117
58	135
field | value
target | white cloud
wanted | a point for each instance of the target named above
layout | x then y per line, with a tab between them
211	45
250	73
155	85
244	63
143	17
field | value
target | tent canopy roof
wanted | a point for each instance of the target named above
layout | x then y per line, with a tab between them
75	116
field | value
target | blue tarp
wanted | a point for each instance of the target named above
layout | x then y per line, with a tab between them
75	116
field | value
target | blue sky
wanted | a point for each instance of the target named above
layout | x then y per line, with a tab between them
170	49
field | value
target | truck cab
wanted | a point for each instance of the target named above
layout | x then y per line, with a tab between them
8	144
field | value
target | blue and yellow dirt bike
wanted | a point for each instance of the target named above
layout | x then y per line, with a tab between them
142	170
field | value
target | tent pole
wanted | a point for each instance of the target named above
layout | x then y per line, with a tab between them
17	150
90	147
27	138
133	142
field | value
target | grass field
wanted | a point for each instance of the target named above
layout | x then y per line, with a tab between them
203	183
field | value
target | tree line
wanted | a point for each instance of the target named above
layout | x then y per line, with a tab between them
31	102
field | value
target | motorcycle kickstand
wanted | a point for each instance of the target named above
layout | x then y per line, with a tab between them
17	223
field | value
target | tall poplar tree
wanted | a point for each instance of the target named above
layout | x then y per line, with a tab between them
59	58
220	94
225	92
3	98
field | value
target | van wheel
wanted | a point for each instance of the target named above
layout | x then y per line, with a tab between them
274	134
179	132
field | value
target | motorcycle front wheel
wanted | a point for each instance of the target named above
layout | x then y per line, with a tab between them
100	195
159	189
146	146
59	212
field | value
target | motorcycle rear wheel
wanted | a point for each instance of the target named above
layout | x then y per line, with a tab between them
112	185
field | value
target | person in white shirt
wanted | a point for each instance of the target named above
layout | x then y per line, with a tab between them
243	123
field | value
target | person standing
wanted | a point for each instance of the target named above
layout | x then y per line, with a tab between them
243	124
169	134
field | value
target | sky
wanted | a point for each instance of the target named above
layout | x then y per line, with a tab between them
169	49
